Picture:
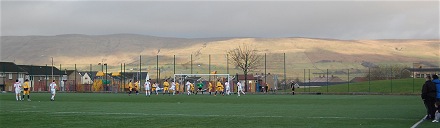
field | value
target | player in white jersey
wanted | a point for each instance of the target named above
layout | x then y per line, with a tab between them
147	88
53	87
188	87
173	87
239	88
228	90
156	86
17	87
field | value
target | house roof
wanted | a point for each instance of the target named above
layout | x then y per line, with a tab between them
324	79
69	72
91	74
359	79
40	70
10	67
423	69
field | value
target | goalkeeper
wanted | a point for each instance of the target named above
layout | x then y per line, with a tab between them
199	87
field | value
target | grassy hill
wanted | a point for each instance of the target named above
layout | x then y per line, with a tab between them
301	53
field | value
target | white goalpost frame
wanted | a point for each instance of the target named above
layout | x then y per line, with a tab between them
194	75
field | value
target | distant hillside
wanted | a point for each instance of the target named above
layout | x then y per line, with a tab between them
126	48
86	49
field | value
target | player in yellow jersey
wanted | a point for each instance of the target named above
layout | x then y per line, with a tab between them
177	88
136	87
26	89
192	88
166	86
210	88
130	87
219	88
267	87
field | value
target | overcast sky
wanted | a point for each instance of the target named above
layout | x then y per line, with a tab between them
318	19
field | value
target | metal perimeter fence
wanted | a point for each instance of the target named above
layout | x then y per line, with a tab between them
274	73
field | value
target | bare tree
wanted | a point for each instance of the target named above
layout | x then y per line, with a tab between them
246	58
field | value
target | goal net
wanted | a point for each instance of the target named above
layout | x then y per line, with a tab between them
201	78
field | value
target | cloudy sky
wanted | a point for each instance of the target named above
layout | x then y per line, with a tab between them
198	19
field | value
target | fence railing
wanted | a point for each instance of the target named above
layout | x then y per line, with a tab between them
276	71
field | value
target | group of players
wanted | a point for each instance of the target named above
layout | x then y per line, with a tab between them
148	87
25	88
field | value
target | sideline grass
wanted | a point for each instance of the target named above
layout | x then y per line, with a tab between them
120	110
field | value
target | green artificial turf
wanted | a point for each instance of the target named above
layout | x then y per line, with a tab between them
121	110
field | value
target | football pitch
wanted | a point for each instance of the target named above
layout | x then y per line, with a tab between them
121	110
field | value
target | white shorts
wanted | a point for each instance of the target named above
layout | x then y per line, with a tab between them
17	91
239	90
173	88
52	91
147	88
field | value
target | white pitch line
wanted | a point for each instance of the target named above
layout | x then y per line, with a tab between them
192	115
166	114
359	118
417	124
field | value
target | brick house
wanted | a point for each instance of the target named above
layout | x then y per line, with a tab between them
9	73
41	76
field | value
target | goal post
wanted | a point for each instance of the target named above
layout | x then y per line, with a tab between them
195	78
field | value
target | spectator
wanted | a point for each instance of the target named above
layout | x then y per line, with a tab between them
429	93
436	81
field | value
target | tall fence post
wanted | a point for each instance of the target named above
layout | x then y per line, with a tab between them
413	76
60	78
348	79
227	64
120	83
123	85
174	65
391	78
106	79
265	68
209	64
31	78
304	82
45	79
92	78
157	69
285	80
74	73
327	80
369	80
309	80
4	77
140	73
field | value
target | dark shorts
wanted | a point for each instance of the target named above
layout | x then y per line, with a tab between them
293	89
200	88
